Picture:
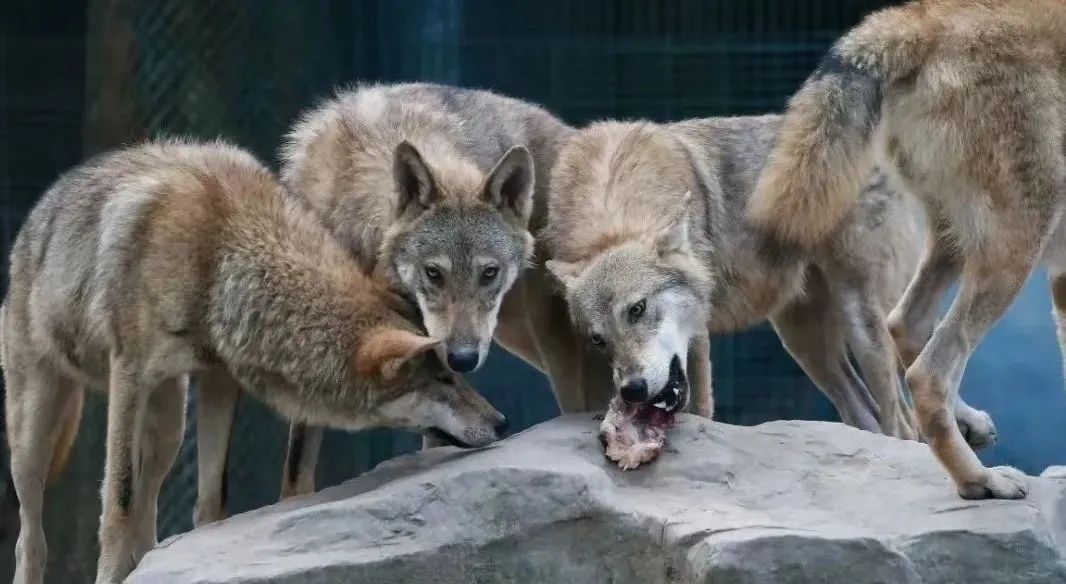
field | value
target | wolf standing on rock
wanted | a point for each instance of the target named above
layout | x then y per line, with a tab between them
148	264
438	189
964	102
647	233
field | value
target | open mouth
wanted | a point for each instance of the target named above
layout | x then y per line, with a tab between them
442	436
673	396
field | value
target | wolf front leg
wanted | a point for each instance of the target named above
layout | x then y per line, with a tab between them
301	458
873	349
217	395
127	402
701	384
811	331
163	428
1058	298
580	377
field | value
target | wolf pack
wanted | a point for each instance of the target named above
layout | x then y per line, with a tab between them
413	225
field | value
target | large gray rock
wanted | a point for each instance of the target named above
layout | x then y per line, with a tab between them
785	502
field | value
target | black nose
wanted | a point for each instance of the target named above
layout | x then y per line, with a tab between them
502	428
462	360
634	390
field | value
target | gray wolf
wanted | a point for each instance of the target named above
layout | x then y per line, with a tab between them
962	103
437	189
149	264
647	233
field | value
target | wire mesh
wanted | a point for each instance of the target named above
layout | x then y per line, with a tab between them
244	70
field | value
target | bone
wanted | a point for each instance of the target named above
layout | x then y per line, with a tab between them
630	442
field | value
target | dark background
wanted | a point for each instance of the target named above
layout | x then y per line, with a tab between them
80	77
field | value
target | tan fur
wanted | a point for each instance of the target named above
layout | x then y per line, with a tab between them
385	351
833	193
149	264
617	187
395	171
965	103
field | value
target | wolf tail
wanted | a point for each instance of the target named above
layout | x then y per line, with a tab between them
824	146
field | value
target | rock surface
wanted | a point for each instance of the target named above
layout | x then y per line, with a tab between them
784	502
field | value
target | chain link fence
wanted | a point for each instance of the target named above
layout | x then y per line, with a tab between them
116	71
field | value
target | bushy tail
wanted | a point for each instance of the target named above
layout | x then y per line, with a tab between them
823	150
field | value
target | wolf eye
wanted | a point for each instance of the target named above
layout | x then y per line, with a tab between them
433	273
489	274
596	340
637	310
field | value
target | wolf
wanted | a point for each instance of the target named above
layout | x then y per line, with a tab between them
439	190
647	233
146	265
964	104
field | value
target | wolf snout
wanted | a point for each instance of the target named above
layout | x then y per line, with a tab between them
634	390
483	436
463	358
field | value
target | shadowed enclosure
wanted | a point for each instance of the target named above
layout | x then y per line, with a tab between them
85	76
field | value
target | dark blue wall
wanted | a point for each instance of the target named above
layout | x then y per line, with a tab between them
81	76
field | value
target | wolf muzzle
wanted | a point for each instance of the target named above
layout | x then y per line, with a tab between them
463	357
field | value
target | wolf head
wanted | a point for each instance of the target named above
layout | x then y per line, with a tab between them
421	394
457	246
642	302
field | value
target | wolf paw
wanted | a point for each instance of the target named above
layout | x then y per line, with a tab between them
1054	472
905	427
1001	482
977	428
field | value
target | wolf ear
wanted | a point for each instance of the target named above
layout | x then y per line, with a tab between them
565	272
414	180
385	350
674	236
509	186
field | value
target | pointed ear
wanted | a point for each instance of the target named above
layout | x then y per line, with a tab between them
385	350
674	236
509	186
415	184
565	272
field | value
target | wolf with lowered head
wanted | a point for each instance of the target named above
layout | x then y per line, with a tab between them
647	233
152	263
